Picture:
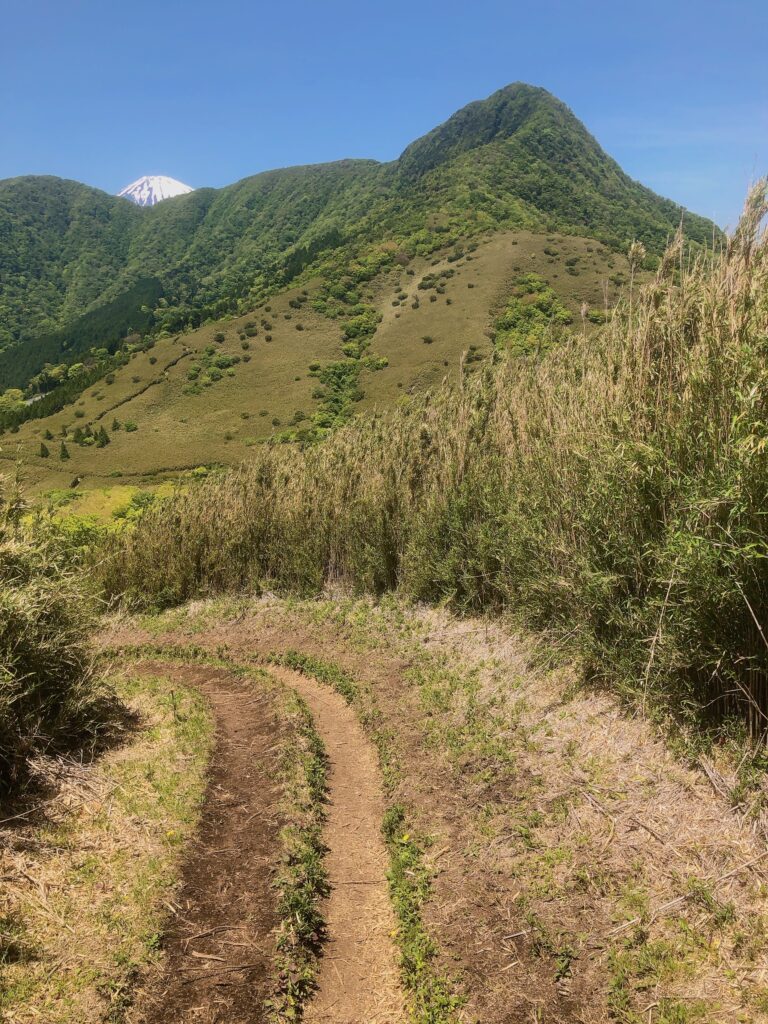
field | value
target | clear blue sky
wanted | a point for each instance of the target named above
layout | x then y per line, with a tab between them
103	92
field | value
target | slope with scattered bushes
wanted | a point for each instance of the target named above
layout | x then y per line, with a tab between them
612	491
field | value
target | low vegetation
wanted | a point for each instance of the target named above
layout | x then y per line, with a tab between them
51	697
611	491
533	319
86	885
430	994
301	880
545	848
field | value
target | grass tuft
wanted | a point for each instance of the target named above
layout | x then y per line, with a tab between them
51	698
302	880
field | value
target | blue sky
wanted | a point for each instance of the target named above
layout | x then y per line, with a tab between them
210	92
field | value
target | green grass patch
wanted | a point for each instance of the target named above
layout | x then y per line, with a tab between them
433	1000
302	880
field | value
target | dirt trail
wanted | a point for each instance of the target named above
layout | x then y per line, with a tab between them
220	940
358	979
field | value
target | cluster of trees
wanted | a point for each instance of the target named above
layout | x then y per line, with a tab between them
209	368
88	436
15	410
534	317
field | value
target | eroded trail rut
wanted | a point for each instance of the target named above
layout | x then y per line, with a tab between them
358	976
219	941
221	937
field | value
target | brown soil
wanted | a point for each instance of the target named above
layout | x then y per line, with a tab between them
220	941
358	977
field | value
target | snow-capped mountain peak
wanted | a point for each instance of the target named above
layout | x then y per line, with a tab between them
153	188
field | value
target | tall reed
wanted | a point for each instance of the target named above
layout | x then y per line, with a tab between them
613	492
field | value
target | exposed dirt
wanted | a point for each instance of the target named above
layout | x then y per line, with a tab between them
220	941
358	979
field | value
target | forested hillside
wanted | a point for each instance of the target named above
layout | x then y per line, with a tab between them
72	257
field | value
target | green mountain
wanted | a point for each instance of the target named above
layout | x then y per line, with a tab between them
80	269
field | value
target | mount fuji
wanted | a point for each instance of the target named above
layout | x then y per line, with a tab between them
153	188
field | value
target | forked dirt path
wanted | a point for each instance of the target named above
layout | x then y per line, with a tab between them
358	978
221	937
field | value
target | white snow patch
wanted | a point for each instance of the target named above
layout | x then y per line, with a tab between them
153	188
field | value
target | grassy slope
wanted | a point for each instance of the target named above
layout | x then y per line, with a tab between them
575	868
178	431
612	492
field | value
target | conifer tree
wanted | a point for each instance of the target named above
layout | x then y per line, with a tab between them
44	452
63	452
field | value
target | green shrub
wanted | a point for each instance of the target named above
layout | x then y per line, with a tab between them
50	698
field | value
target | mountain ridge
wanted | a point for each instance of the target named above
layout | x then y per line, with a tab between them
518	159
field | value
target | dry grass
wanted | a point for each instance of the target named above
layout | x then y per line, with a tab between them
624	855
579	867
178	431
51	698
611	492
88	877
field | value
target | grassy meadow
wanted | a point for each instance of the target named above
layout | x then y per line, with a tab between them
90	881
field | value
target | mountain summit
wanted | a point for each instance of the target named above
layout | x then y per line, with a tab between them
153	188
79	268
